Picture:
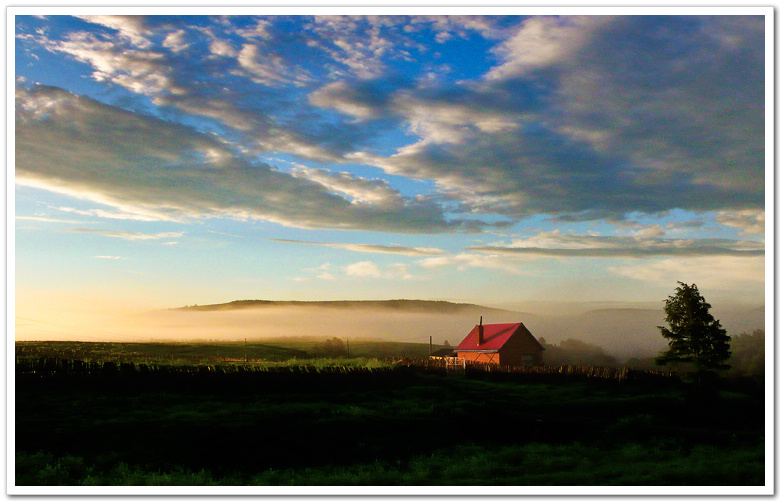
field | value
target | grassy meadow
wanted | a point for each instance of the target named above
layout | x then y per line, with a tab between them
379	424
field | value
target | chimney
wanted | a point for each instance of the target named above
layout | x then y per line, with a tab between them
480	333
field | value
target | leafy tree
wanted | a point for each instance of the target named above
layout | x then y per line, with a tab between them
747	358
334	347
693	333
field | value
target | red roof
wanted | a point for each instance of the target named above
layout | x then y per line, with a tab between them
494	337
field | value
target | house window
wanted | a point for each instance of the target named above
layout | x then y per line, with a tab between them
528	359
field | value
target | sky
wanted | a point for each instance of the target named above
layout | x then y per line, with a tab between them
163	161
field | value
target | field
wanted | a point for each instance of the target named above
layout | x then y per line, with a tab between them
378	424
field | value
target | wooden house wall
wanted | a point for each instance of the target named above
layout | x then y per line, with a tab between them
522	343
480	358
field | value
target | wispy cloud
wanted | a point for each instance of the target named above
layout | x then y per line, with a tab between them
556	244
382	249
749	221
125	235
579	117
505	263
592	117
74	145
367	269
708	272
226	234
43	219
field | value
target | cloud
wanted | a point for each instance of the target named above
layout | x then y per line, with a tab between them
126	235
363	269
515	265
43	219
243	81
132	216
708	272
367	269
382	249
132	28
615	116
268	68
541	42
581	118
749	221
555	244
359	101
108	257
357	189
141	70
146	166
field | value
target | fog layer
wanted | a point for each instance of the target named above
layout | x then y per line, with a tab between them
622	332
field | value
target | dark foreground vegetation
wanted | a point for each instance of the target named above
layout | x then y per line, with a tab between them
383	425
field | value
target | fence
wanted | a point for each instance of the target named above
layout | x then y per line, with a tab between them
453	365
287	376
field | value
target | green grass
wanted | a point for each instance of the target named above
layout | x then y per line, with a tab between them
533	464
404	428
291	351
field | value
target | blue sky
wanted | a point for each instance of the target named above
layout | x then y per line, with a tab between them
171	160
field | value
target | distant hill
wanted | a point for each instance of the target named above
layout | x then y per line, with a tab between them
400	305
621	332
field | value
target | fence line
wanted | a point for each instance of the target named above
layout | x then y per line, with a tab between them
44	367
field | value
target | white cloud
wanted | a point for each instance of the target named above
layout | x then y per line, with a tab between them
132	28
367	269
556	244
43	219
126	235
708	272
133	215
265	67
581	118
176	41
145	166
749	221
465	261
357	189
610	116
363	269
381	249
143	71
543	41
223	48
340	96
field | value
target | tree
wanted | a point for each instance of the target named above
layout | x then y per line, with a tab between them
694	335
334	347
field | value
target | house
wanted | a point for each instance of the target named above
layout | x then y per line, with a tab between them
502	344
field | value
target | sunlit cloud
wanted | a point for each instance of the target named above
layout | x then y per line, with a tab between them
367	269
43	219
573	129
629	147
708	272
556	244
514	265
382	249
125	235
749	221
71	144
363	269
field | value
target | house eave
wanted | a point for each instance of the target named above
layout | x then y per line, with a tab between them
477	351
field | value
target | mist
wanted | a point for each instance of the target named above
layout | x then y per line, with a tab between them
621	332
